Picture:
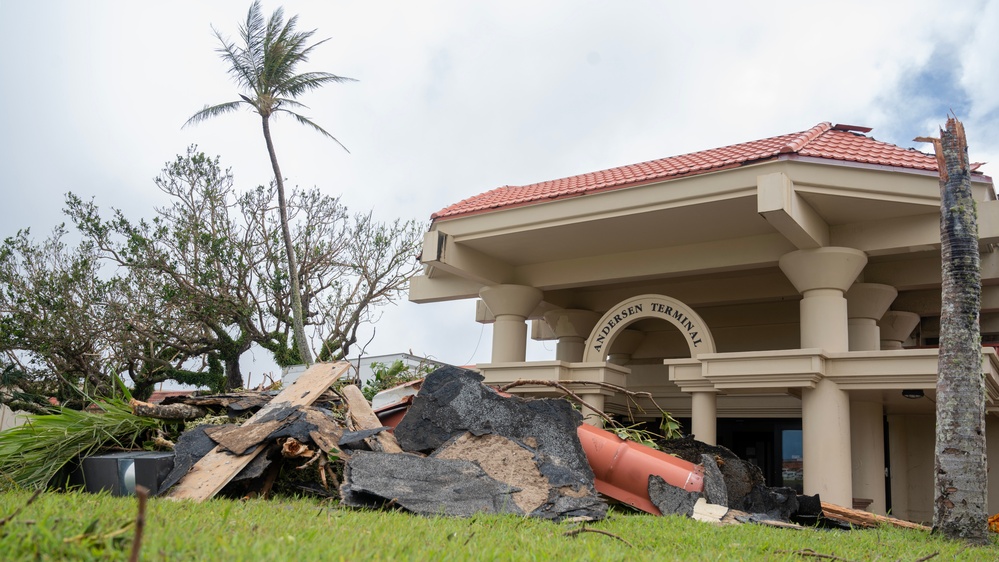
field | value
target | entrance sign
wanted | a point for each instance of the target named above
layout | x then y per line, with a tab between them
692	326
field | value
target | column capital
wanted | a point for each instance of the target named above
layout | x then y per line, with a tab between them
869	300
516	300
896	327
571	322
823	268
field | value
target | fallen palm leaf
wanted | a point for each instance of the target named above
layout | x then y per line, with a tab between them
32	454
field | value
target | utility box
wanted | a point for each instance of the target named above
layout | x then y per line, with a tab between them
121	472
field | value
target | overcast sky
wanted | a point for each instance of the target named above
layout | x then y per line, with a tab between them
455	98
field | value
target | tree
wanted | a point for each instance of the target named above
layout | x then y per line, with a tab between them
264	66
960	504
54	329
208	276
69	328
350	266
193	264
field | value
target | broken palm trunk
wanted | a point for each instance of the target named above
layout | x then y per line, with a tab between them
528	446
213	471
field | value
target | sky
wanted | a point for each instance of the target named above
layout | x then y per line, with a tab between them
454	98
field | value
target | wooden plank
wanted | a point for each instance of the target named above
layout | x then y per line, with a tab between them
364	418
218	467
866	518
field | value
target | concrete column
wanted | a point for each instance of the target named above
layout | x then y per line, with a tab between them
822	276
704	416
825	436
868	453
866	304
624	346
896	326
571	327
589	416
510	304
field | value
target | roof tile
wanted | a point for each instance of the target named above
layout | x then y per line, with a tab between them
821	141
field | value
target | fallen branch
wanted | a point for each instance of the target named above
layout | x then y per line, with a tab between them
140	522
168	412
575	532
928	556
560	386
162	442
632	394
813	554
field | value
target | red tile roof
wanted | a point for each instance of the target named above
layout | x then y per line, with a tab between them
839	142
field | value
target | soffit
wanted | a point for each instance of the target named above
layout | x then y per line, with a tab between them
732	218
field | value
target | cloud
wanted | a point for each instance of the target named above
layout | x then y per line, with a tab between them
455	98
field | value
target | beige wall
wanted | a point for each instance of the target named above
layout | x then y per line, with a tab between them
912	440
9	418
992	452
911	443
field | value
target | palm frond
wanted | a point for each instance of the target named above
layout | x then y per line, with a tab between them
214	111
301	83
306	121
264	67
32	454
241	65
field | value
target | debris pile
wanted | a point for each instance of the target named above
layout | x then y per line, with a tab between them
516	451
464	448
461	449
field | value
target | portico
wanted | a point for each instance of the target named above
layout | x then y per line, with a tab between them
792	278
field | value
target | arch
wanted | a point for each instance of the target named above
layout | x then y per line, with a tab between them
695	330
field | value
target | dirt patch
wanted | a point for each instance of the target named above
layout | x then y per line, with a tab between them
504	460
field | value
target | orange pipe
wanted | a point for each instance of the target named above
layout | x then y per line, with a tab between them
622	468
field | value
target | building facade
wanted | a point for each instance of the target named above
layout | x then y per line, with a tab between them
781	296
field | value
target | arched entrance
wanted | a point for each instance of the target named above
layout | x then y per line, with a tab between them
627	312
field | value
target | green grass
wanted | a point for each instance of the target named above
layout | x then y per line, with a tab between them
79	526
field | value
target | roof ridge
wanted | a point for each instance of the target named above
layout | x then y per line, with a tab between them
805	137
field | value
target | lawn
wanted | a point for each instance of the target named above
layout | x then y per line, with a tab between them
80	526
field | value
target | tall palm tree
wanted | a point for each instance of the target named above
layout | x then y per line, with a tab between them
961	501
263	66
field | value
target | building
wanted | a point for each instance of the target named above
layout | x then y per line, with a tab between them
782	296
361	367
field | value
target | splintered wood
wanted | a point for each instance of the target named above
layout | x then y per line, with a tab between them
866	519
363	417
209	475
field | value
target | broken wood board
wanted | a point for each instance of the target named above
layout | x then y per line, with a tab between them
865	518
364	418
210	474
708	512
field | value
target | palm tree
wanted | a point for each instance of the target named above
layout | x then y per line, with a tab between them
264	68
961	501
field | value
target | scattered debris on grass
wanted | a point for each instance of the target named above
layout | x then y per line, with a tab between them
457	447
